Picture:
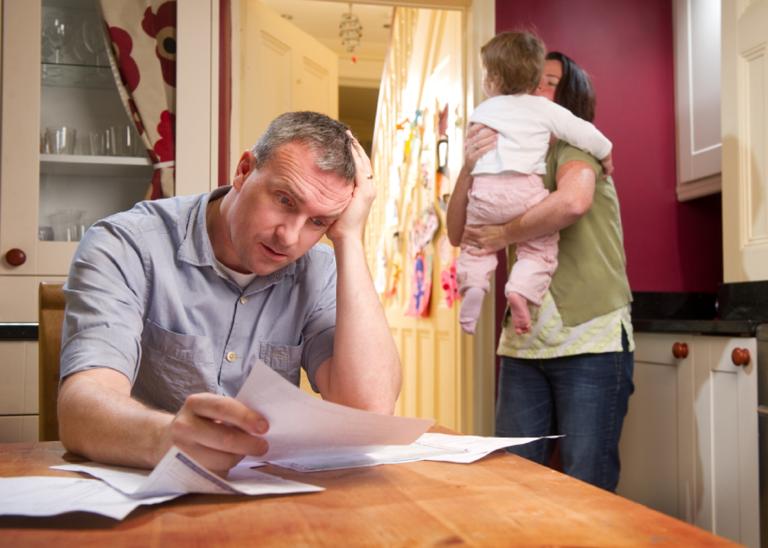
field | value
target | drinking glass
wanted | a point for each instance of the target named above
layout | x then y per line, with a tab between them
61	140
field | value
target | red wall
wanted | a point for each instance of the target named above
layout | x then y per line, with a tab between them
627	48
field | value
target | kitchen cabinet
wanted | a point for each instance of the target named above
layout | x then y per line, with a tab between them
745	148
697	96
55	79
689	443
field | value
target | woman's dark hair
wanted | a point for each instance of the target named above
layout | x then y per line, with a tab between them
574	91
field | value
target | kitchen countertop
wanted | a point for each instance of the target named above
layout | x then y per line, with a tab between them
18	331
731	328
736	310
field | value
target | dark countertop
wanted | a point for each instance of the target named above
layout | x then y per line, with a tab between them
736	310
18	331
731	328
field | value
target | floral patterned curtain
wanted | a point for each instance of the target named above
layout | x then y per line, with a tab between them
143	58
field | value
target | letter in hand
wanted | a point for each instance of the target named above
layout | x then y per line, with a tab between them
218	431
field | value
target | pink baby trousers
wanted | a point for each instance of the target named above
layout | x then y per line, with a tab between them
496	199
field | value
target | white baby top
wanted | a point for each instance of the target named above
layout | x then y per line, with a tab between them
524	123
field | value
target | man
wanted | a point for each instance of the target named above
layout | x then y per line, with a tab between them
169	304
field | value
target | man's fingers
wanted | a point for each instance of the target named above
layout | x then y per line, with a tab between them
215	436
363	169
227	410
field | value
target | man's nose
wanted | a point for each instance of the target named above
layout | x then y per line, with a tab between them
289	230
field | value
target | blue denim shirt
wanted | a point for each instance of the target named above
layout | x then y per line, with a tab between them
146	297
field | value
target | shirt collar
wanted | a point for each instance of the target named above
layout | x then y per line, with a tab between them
196	248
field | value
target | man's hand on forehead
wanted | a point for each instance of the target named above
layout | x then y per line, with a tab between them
363	169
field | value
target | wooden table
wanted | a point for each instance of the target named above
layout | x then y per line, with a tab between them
501	500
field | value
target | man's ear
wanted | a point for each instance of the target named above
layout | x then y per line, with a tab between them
245	165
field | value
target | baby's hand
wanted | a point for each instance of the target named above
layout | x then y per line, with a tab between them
607	164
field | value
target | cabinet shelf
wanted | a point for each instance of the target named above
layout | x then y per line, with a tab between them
76	75
79	164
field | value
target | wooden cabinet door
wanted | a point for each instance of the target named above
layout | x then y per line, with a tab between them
18	391
726	457
19	168
653	448
745	140
697	96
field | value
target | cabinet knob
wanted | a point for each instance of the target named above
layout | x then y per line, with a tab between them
680	350
15	257
740	356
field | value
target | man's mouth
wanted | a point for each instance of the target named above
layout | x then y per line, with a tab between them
273	252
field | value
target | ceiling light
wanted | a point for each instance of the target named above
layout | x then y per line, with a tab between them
350	30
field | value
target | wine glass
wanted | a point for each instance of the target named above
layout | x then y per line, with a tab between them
92	37
55	32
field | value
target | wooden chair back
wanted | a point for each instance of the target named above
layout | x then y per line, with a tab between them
50	322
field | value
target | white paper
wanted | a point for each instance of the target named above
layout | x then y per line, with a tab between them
466	449
429	446
178	473
49	496
300	424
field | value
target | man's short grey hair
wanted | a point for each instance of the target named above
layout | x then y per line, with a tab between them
326	137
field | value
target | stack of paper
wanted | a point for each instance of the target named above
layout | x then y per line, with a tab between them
305	433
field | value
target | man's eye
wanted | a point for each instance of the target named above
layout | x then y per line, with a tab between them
282	199
319	223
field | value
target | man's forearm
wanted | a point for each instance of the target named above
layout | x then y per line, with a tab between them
99	420
365	372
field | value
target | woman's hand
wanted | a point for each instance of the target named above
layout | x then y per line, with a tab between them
485	239
480	139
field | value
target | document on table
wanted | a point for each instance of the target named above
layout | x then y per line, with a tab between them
300	424
123	489
49	495
429	446
178	473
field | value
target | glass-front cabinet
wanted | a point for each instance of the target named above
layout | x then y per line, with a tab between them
68	156
69	152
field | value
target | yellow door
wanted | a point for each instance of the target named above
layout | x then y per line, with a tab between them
417	152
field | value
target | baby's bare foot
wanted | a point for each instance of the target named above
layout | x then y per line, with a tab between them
521	316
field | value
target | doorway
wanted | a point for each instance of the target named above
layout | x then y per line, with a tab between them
447	375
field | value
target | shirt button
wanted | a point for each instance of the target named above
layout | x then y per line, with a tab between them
231	356
243	300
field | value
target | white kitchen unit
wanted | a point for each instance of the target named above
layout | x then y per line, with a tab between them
689	447
745	140
697	96
56	79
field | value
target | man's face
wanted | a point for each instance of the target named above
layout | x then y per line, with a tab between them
282	209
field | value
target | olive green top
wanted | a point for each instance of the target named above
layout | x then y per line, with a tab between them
591	278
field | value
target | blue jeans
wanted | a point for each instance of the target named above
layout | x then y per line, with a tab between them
583	397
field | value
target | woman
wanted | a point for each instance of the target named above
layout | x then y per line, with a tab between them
572	373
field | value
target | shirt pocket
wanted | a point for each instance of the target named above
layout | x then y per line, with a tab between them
284	359
173	366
